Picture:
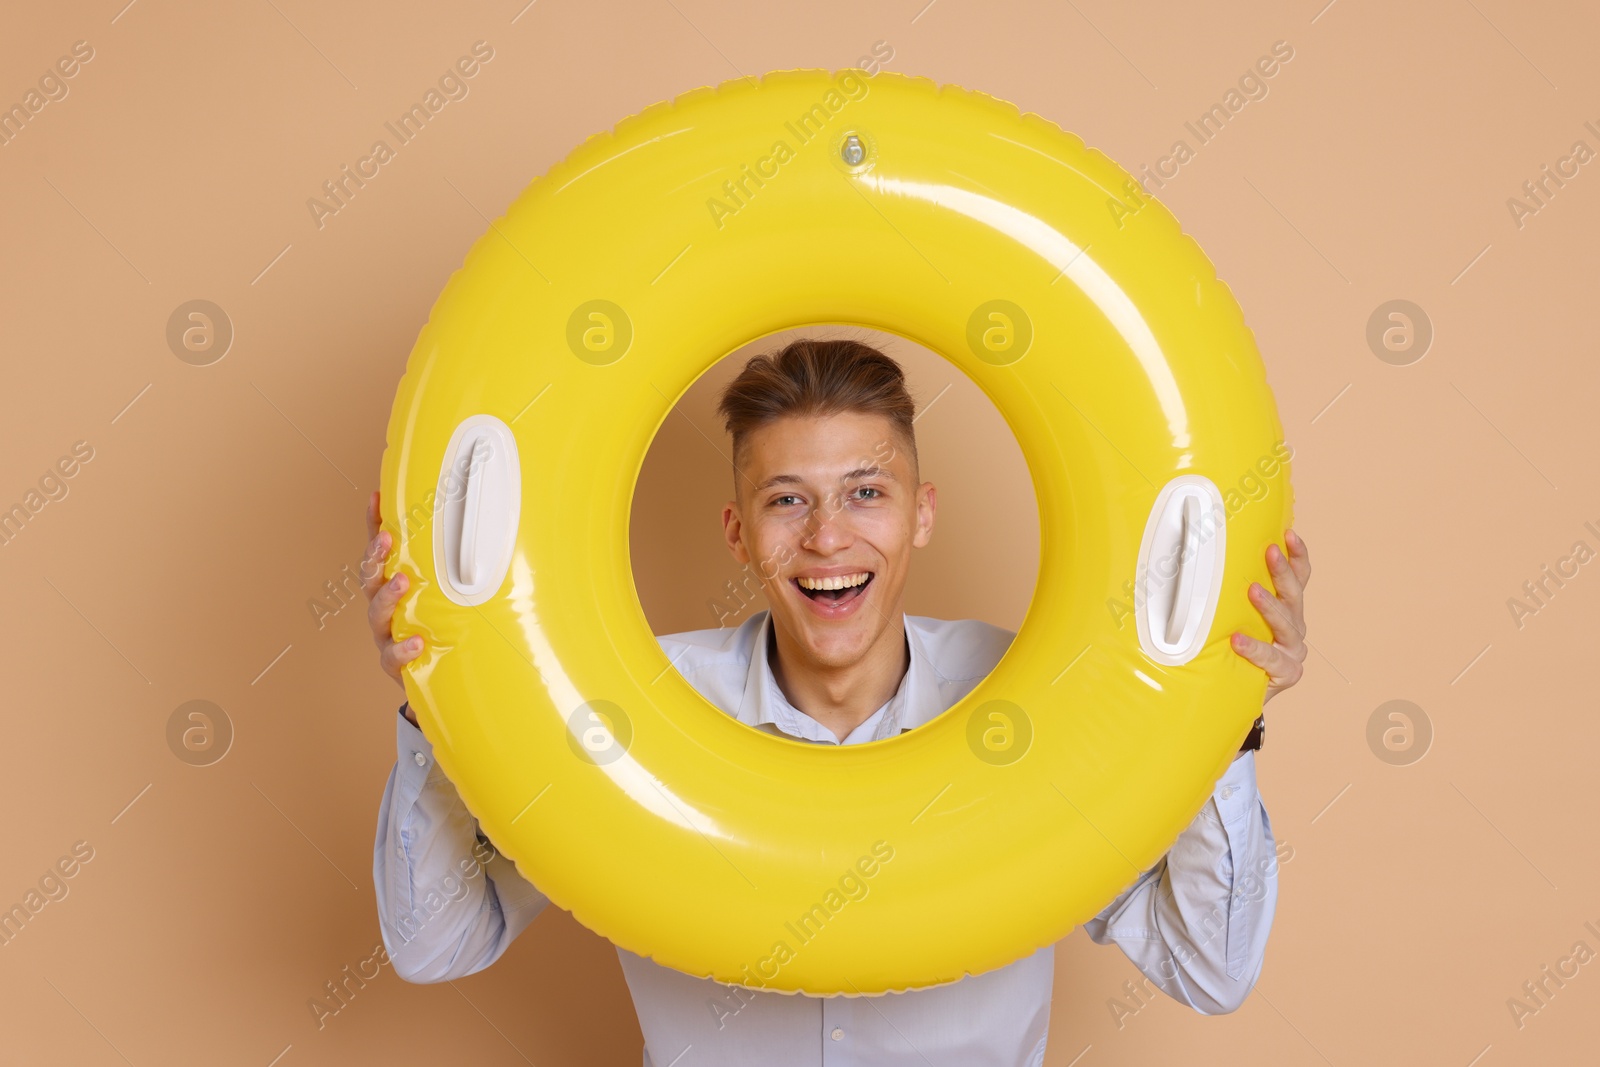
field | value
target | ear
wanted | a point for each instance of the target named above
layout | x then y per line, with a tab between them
732	531
927	505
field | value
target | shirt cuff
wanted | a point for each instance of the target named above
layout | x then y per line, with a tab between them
416	772
1235	792
414	763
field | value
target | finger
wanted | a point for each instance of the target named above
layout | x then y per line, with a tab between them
380	613
371	571
1299	556
398	653
1285	581
1282	669
1286	629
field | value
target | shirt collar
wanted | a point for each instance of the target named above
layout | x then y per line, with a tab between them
764	706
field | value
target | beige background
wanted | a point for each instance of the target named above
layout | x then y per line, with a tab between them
179	565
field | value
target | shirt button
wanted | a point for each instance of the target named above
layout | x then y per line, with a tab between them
400	851
1227	791
837	1035
420	759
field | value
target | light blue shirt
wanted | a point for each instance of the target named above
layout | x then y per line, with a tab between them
1195	924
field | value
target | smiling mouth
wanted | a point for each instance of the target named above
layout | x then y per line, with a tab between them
836	596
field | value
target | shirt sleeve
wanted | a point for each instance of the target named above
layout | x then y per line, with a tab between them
1197	922
449	904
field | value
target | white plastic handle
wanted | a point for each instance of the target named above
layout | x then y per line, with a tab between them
467	557
477	508
1188	569
1179	571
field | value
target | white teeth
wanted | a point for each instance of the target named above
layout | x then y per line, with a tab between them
841	581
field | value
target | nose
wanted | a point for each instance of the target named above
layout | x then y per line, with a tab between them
827	527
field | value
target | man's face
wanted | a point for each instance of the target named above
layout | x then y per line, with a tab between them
823	500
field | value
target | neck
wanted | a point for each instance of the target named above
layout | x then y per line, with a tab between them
841	698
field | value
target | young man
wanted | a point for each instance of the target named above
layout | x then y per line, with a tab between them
828	501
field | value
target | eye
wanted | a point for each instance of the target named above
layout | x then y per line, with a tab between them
779	501
870	489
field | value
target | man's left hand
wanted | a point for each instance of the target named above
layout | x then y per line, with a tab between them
1285	614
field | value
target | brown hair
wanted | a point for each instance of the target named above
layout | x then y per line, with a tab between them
817	378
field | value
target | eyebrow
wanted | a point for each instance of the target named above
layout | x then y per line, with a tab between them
848	476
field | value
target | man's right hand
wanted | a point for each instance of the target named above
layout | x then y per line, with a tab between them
382	596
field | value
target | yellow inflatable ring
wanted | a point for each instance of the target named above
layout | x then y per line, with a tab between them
1120	362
